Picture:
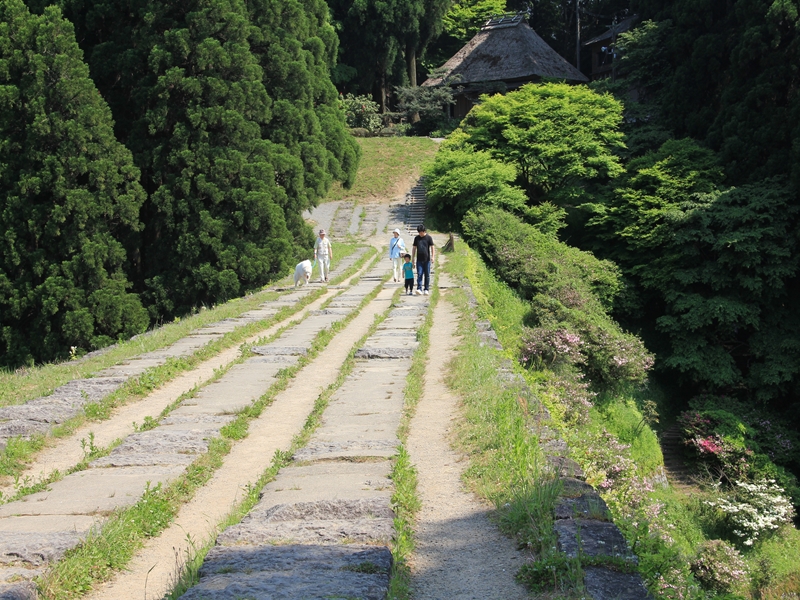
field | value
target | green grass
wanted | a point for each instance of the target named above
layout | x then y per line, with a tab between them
19	452
388	168
111	547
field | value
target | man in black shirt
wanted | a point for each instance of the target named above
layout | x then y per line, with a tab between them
422	256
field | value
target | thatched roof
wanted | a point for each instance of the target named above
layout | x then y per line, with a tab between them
506	50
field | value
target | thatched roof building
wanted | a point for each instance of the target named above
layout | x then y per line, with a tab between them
505	54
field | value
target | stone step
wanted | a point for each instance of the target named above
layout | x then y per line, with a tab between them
322	528
63	515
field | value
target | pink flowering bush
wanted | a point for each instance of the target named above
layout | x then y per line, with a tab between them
575	399
718	566
550	348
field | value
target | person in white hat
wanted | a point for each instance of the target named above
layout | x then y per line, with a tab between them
323	254
397	249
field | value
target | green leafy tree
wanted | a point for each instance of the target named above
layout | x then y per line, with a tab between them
462	180
727	76
464	18
69	198
717	269
560	137
382	42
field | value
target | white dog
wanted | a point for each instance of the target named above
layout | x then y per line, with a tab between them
302	272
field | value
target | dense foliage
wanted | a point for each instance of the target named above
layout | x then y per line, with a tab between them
559	137
69	198
726	75
381	42
570	291
234	128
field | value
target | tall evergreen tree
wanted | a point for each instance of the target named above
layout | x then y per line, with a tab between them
230	113
296	47
69	197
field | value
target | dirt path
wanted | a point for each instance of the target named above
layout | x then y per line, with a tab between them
460	553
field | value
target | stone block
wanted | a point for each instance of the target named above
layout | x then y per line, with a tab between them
92	492
606	584
586	506
593	538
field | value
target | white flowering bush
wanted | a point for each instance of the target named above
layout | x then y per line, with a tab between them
753	509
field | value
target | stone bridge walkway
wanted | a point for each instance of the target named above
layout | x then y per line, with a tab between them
323	526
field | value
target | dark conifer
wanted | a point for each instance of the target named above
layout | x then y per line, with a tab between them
69	197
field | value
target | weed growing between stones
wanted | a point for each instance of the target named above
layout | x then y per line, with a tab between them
20	452
405	501
189	575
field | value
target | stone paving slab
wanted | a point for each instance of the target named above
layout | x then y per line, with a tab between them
110	489
605	584
327	481
156	447
29	549
325	522
46	524
594	538
294	572
587	506
280	350
331	450
22	590
203	423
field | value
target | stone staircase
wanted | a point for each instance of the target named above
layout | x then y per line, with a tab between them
679	474
415	208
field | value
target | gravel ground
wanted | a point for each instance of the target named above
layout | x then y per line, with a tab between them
460	553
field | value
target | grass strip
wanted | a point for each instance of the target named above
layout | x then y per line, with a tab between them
189	576
109	549
505	464
405	501
20	385
19	452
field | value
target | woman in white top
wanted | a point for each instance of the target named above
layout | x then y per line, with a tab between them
397	249
323	253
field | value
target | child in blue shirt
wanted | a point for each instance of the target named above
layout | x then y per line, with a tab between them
408	274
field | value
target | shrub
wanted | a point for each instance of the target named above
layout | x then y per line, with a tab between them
361	112
718	566
542	347
461	180
753	509
568	289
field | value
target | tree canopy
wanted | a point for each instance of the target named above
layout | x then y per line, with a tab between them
558	136
231	115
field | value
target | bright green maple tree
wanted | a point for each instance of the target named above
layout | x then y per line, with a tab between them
69	198
560	137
